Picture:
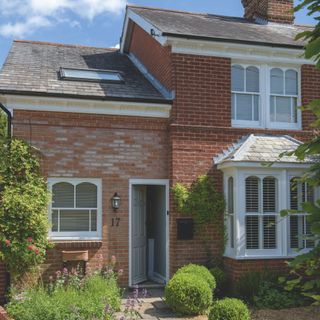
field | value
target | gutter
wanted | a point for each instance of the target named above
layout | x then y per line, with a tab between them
257	43
9	117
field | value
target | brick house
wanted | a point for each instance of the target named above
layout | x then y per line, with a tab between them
187	94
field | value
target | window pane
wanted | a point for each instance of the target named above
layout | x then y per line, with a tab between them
309	243
233	106
272	108
93	220
269	194
231	235
252	79
237	78
276	81
291	82
310	193
293	194
91	74
74	220
269	232
54	218
256	107
296	232
283	109
62	195
86	195
244	107
252	232
230	195
252	194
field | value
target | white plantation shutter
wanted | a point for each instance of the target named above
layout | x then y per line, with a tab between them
74	207
86	195
269	195
269	232
63	195
252	232
252	194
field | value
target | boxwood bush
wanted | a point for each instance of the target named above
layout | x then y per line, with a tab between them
200	271
229	309
188	294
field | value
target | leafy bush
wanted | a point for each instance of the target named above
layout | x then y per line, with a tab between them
220	277
247	286
98	298
270	296
229	309
23	209
188	294
200	271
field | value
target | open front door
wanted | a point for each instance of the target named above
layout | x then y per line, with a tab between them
139	234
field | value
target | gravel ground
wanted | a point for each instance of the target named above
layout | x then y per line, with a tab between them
307	313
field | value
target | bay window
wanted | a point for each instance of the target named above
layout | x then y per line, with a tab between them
75	210
265	96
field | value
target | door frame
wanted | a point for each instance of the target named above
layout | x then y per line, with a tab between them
148	182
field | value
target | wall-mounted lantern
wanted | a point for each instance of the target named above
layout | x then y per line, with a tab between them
115	201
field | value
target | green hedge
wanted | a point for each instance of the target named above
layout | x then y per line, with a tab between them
229	309
188	294
200	271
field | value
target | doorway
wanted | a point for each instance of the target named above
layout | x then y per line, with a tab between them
148	231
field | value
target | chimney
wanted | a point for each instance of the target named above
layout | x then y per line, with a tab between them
280	11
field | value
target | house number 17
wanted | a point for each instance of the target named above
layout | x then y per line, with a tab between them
115	222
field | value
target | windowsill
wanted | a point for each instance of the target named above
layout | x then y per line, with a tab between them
75	239
270	127
266	257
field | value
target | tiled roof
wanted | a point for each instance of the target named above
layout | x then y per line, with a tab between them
261	148
220	28
33	68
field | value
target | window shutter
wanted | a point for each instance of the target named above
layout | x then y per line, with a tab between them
252	232
54	220
309	243
230	195
252	194
74	220
269	195
86	195
269	232
294	231
293	194
63	195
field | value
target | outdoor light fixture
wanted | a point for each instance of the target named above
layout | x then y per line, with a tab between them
115	201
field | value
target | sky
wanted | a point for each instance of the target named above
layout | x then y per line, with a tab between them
91	22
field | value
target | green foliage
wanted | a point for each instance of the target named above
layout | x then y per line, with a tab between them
3	125
98	299
248	285
23	208
201	200
200	271
221	280
229	309
188	294
272	296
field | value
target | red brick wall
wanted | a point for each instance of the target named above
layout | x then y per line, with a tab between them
272	10
310	90
155	57
112	148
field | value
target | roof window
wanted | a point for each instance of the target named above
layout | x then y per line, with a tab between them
90	75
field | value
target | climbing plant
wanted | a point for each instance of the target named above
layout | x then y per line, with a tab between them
3	125
201	201
23	208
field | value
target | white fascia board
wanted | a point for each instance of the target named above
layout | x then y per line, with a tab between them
243	52
144	24
121	108
277	165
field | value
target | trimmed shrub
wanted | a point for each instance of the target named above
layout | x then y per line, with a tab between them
229	309
200	271
188	294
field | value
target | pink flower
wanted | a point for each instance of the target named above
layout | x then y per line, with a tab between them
37	251
120	272
65	270
8	243
113	259
29	239
30	248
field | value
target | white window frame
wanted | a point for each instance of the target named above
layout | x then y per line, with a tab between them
283	174
249	123
81	235
265	93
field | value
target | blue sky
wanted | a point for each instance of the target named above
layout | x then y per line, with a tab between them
90	22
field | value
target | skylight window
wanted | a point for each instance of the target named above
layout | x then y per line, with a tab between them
90	75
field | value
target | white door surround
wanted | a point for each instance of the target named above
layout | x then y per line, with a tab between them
147	182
